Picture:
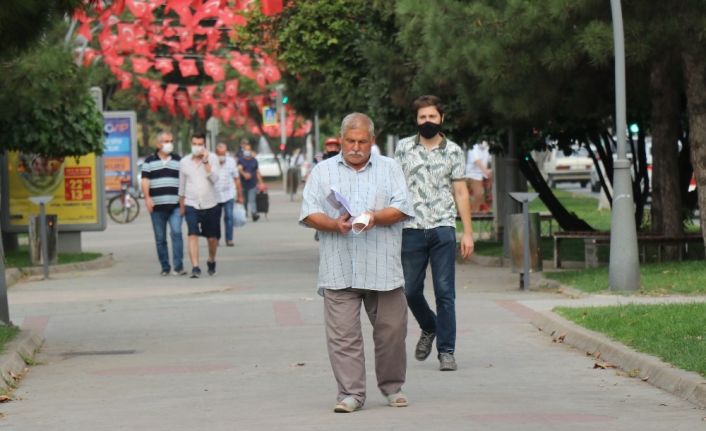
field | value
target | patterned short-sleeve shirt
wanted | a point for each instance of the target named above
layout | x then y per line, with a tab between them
430	174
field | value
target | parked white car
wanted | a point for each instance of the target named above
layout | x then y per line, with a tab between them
558	167
595	180
269	166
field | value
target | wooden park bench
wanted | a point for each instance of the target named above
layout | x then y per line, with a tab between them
487	219
593	239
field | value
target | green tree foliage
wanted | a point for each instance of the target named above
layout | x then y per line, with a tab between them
45	106
23	22
339	56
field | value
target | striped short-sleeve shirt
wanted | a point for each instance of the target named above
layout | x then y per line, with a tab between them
369	260
163	176
430	175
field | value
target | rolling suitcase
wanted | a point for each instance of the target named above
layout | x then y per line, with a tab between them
262	202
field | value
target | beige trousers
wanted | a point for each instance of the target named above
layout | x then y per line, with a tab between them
477	192
387	312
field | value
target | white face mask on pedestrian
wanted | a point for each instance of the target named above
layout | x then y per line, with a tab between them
197	150
222	159
167	148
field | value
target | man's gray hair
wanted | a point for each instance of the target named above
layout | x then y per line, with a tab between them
222	145
161	135
356	120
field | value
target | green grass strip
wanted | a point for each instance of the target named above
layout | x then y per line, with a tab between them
676	333
7	333
656	279
20	258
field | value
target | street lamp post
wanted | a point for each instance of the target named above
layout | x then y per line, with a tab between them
624	268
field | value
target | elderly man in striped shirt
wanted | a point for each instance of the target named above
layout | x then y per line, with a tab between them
160	185
360	262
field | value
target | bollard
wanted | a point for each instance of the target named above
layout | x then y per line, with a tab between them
525	199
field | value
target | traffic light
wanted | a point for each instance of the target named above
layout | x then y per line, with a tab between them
285	99
634	128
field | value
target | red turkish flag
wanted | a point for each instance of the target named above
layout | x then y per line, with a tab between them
271	7
155	96
183	104
207	94
200	109
226	114
107	40
186	38
182	8
187	67
137	8
143	48
85	31
126	37
164	65
141	64
144	82
113	60
241	63
208	10
125	80
213	68
231	88
169	97
89	55
228	18
272	74
260	80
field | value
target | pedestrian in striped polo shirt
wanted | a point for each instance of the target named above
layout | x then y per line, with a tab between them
160	185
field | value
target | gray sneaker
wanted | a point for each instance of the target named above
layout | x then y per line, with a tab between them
424	345
447	362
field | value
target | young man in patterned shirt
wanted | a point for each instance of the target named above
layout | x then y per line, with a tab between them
434	168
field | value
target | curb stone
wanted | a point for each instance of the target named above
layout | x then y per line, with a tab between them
13	275
12	361
687	385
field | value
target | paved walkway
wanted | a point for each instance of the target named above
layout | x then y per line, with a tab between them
127	349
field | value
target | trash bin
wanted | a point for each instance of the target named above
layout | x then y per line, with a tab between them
517	243
35	239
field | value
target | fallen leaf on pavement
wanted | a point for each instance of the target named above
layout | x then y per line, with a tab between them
4	398
604	365
560	338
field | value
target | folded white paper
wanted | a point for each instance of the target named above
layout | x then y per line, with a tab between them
338	201
360	223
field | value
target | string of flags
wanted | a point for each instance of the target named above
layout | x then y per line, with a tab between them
166	45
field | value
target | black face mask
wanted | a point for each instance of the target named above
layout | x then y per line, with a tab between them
330	154
428	130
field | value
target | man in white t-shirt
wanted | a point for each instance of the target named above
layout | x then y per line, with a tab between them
229	189
477	169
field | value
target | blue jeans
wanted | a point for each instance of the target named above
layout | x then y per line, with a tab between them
160	219
438	246
227	207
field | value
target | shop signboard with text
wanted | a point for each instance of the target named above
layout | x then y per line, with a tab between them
120	151
74	185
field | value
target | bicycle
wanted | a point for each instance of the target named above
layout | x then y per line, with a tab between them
123	207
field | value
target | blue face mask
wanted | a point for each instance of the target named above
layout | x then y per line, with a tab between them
247	154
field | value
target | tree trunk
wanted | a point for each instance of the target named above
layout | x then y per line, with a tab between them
695	80
666	212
